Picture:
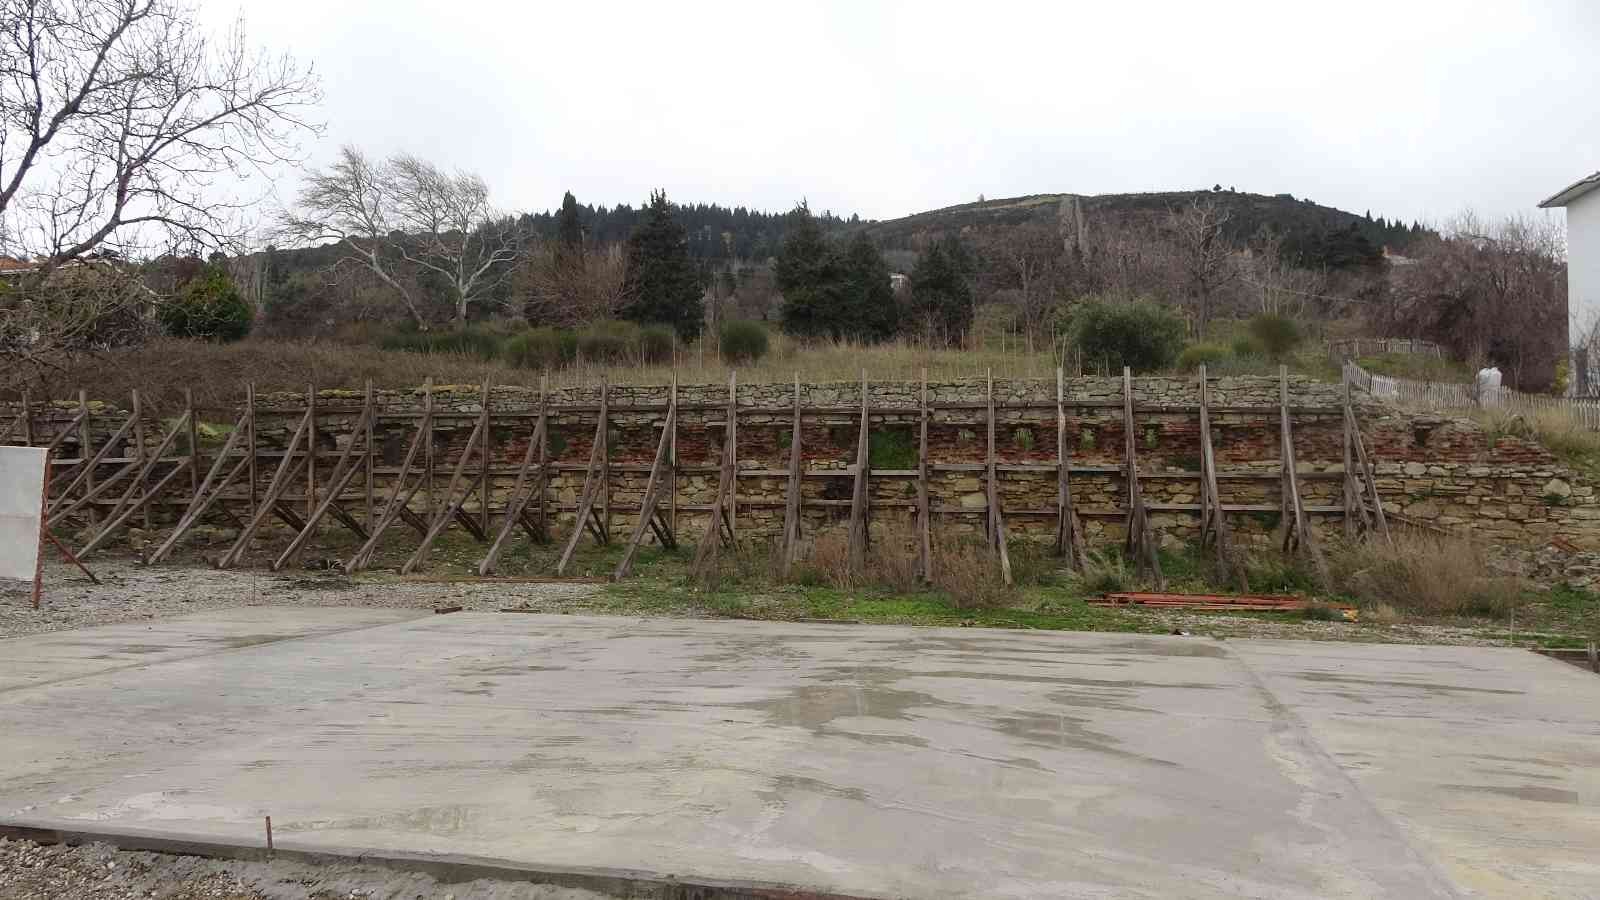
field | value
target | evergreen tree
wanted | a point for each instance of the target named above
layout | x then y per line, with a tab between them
664	282
941	298
870	312
804	273
569	227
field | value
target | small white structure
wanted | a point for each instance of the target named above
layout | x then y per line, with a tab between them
1488	383
21	510
898	281
1582	203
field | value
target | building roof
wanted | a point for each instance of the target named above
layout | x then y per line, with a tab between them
1573	191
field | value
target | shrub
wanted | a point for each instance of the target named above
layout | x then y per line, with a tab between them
540	348
1105	573
1425	573
1277	335
470	340
1196	355
608	342
742	341
1141	336
1244	345
656	343
891	448
209	306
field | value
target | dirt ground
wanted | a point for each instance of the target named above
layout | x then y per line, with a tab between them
29	871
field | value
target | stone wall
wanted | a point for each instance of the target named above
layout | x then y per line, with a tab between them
1436	472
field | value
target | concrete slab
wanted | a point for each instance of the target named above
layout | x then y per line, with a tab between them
860	760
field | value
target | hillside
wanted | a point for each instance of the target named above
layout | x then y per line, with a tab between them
1250	213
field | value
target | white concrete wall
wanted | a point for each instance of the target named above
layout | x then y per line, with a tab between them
1583	266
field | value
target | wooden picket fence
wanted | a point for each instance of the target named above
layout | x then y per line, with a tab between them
1341	351
1444	396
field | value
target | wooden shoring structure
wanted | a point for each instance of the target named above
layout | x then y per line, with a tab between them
924	509
861	488
523	492
996	523
453	501
650	518
1141	544
1214	531
344	471
1363	497
271	502
789	540
1297	533
128	503
210	490
400	495
719	530
87	464
1069	530
595	480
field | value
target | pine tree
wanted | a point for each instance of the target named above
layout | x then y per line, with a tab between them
869	310
941	298
663	281
803	274
569	228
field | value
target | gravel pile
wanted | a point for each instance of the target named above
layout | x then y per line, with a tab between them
131	592
29	871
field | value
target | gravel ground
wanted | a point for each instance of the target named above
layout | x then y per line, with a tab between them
131	592
30	871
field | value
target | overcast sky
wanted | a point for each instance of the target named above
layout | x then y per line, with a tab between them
1407	108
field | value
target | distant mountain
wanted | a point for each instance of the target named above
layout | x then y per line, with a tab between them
1251	213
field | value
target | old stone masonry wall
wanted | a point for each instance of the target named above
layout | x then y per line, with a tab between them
1432	472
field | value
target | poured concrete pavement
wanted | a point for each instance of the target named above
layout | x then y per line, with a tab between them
873	761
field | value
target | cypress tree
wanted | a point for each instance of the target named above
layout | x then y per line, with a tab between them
569	228
803	274
664	282
941	298
870	312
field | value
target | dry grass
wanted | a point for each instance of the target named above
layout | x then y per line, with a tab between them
1561	432
217	373
966	569
1425	574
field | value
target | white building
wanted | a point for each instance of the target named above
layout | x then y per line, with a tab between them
1582	202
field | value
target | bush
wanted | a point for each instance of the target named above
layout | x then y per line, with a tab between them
742	342
1424	573
1196	355
656	343
209	306
608	342
1245	346
470	340
1276	335
1141	336
540	348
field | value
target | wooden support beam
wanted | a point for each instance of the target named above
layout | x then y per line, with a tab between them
603	521
344	472
288	469
1140	541
1351	495
733	455
486	454
1069	531
84	468
1376	501
143	502
250	450
924	512
705	554
789	541
311	449
452	503
205	495
194	442
139	468
1213	521
400	494
85	441
861	495
544	455
652	495
427	449
367	456
1297	533
517	502
996	517
593	477
672	463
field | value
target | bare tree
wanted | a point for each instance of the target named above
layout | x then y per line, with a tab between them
1204	254
565	289
117	119
408	214
1029	260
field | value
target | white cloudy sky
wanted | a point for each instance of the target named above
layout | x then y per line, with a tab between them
1405	107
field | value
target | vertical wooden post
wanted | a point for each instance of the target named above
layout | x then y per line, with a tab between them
672	458
483	475
138	453
791	500
250	406
991	529
1069	537
733	455
194	444
860	528
605	459
924	513
427	445
543	481
27	420
1350	497
85	450
311	449
367	458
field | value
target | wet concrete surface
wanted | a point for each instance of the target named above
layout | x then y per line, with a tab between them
876	761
